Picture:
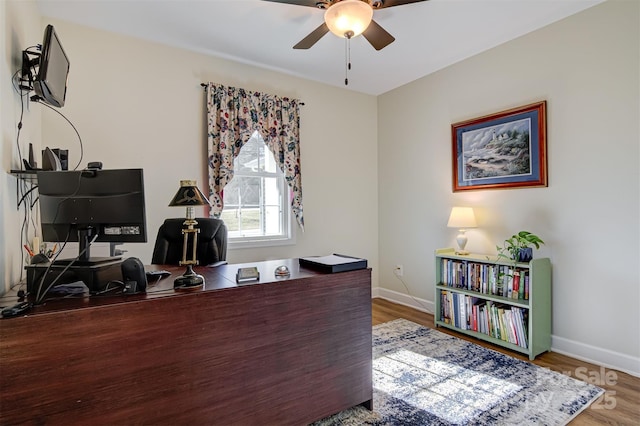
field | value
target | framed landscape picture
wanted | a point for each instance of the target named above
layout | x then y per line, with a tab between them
502	150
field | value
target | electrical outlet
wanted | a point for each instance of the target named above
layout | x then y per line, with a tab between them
398	270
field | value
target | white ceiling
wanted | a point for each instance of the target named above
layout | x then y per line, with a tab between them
430	35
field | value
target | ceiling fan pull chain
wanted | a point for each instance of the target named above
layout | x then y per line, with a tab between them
346	61
347	54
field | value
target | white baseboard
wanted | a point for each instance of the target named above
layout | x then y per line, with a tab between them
596	355
404	299
577	350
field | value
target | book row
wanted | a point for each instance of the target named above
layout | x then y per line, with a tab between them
504	322
486	278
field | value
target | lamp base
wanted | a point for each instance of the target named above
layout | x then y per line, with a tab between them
189	281
461	239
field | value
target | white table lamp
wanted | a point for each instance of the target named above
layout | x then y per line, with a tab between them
462	218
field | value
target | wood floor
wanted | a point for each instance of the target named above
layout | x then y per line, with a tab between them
620	404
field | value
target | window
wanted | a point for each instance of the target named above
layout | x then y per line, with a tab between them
256	201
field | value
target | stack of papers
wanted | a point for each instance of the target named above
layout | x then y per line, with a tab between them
333	263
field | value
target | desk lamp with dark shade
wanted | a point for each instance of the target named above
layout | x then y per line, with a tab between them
189	196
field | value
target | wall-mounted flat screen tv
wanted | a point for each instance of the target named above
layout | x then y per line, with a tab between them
50	83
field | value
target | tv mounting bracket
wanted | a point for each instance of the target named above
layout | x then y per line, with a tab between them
30	59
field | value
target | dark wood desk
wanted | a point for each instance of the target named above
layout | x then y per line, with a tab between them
279	351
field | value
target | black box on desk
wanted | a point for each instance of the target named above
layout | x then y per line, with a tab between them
95	277
333	263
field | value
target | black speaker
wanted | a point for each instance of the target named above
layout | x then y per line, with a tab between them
133	275
63	156
32	160
50	161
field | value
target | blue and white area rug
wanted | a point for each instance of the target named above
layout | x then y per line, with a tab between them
425	377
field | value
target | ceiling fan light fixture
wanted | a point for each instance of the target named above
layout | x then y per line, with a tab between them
348	17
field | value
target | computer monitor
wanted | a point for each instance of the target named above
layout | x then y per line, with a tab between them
92	205
50	84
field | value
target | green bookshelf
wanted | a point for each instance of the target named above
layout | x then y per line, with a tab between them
485	297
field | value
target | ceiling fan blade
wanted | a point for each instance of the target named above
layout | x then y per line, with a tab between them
377	36
377	4
390	3
310	3
312	38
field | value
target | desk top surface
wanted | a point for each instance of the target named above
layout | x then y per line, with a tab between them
216	278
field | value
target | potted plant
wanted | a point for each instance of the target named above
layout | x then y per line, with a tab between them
519	247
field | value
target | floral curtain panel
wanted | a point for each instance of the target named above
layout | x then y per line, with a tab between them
233	114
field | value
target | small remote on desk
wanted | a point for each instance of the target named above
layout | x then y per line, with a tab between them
15	310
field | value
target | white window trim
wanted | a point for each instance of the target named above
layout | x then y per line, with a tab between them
256	241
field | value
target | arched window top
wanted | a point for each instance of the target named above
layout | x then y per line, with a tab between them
233	115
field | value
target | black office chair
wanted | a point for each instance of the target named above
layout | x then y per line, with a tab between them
212	242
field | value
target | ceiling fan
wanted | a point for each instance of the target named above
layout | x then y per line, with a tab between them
356	15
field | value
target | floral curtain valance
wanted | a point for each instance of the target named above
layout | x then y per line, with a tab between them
233	114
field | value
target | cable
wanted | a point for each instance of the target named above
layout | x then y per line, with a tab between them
27	197
75	191
44	276
38	299
22	80
24	93
107	289
27	193
410	295
22	97
31	67
46	272
74	128
24	194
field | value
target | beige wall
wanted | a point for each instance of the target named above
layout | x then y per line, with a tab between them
587	68
140	104
20	27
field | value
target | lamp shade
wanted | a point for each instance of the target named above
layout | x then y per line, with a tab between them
348	18
189	195
462	217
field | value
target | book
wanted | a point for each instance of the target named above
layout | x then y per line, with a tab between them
516	284
523	278
510	284
333	263
456	310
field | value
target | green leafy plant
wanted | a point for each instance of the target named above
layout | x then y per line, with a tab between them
512	246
